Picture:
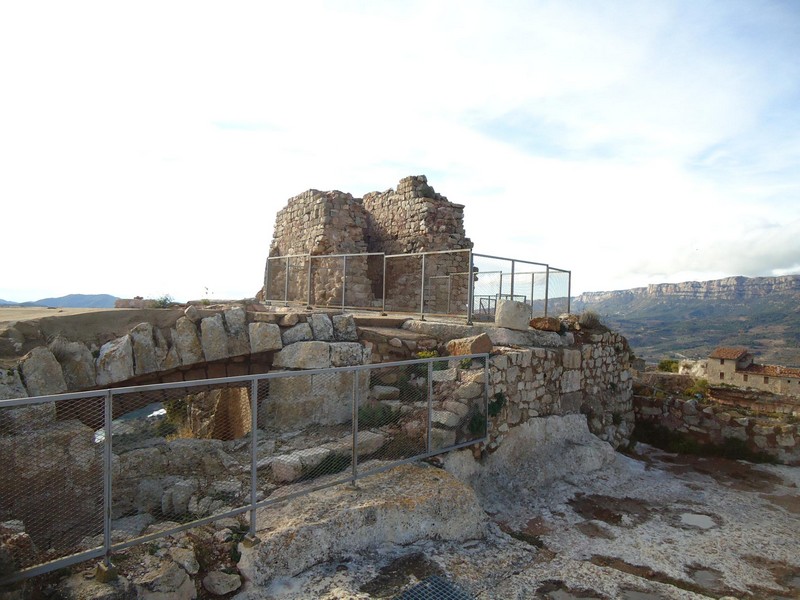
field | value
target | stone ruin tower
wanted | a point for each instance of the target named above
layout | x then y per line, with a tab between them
411	219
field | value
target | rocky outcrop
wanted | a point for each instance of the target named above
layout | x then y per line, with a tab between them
400	506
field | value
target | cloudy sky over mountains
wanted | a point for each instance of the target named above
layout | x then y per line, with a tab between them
146	147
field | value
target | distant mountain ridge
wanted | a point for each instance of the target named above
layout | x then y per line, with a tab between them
692	318
730	288
70	301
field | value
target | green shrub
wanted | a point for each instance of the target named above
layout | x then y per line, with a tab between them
164	301
375	414
589	320
496	405
698	389
477	424
668	366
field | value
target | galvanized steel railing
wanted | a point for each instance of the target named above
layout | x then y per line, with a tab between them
76	463
428	283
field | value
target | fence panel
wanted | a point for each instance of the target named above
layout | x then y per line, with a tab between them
287	279
168	457
559	292
403	283
51	481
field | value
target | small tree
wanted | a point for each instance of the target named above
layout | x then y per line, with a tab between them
668	365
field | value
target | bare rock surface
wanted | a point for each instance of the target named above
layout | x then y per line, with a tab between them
650	526
400	506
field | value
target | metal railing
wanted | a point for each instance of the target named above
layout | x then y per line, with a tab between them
80	468
428	283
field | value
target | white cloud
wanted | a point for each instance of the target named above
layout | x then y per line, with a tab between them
146	149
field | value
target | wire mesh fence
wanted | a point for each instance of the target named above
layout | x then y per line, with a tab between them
90	475
453	283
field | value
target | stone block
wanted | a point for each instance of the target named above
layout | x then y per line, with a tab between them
344	328
445	375
214	338
445	418
115	361
321	327
77	364
546	324
571	359
346	354
236	326
304	355
42	372
385	392
299	333
265	337
512	315
477	344
186	341
472	389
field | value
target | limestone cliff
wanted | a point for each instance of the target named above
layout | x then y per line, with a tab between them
730	288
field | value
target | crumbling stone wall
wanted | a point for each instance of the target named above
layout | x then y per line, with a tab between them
591	377
713	424
413	218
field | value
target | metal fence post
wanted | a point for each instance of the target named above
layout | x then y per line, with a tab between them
383	306
470	289
533	276
106	570
513	262
430	405
422	291
344	279
309	282
486	397
286	284
253	456
546	289
569	291
355	427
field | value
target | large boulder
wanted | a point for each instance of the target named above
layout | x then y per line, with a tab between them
214	338
265	337
77	363
476	344
115	362
186	341
43	374
11	385
149	349
512	314
304	355
236	323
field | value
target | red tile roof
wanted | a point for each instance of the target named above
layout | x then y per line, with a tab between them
771	371
729	353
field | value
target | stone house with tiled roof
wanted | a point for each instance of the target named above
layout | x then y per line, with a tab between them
735	366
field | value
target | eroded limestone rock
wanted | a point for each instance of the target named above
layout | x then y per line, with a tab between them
265	337
399	506
115	362
43	374
214	338
186	342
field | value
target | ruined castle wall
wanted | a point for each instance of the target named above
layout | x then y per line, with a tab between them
412	219
320	223
714	424
590	378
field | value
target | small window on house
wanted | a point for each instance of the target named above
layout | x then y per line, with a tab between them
721	375
745	377
766	379
722	361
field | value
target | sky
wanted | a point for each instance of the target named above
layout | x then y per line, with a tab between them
145	148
